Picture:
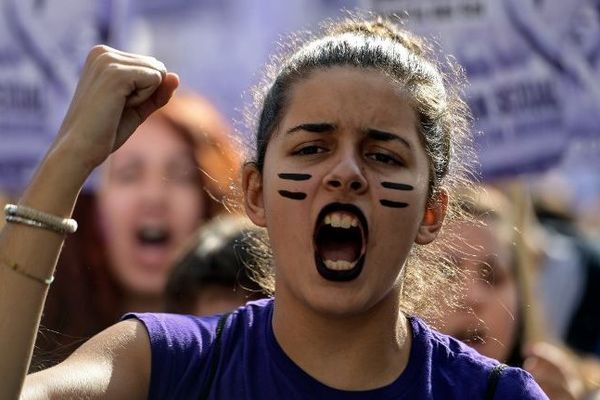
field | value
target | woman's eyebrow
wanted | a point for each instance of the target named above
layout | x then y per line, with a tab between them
321	127
383	136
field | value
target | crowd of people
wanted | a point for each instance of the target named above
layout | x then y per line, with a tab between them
315	264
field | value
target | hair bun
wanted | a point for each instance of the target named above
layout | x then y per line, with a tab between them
380	28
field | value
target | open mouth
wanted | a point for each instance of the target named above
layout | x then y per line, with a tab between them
152	247
340	240
152	236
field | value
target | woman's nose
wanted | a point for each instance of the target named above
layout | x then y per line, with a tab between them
475	292
155	191
346	175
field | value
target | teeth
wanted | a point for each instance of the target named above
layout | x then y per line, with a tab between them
346	222
152	234
339	265
336	220
341	220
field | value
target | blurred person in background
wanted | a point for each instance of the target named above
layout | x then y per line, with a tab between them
571	265
490	317
170	177
213	275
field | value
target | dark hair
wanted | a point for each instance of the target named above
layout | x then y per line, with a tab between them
434	90
220	253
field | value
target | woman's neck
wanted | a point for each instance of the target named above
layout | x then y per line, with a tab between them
359	352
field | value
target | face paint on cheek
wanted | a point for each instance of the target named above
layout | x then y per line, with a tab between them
395	186
292	195
393	204
293	177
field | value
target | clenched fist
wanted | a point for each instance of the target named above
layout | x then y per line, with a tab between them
116	92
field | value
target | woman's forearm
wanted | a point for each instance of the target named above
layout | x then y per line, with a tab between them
53	189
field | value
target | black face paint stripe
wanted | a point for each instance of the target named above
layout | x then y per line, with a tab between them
396	186
393	204
293	195
295	177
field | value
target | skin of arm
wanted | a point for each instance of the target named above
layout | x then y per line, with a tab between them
116	92
115	364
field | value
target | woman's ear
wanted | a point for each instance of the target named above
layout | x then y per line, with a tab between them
253	194
433	218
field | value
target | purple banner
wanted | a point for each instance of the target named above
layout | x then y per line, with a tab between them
533	69
43	44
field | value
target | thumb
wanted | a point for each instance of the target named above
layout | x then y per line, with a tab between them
167	88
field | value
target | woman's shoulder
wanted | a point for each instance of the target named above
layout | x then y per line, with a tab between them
447	350
183	346
450	361
192	328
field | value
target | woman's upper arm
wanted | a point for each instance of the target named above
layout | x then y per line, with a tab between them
113	364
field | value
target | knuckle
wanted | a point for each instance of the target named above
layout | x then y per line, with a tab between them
111	75
156	77
96	51
155	62
105	59
100	60
111	69
107	65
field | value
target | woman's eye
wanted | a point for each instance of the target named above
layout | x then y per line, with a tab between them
384	158
308	150
486	273
492	275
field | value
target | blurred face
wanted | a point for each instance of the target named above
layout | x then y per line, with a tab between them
150	200
487	319
344	189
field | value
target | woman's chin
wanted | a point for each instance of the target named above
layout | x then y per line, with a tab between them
151	260
143	283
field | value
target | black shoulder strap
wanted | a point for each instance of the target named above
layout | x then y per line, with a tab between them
212	368
493	381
